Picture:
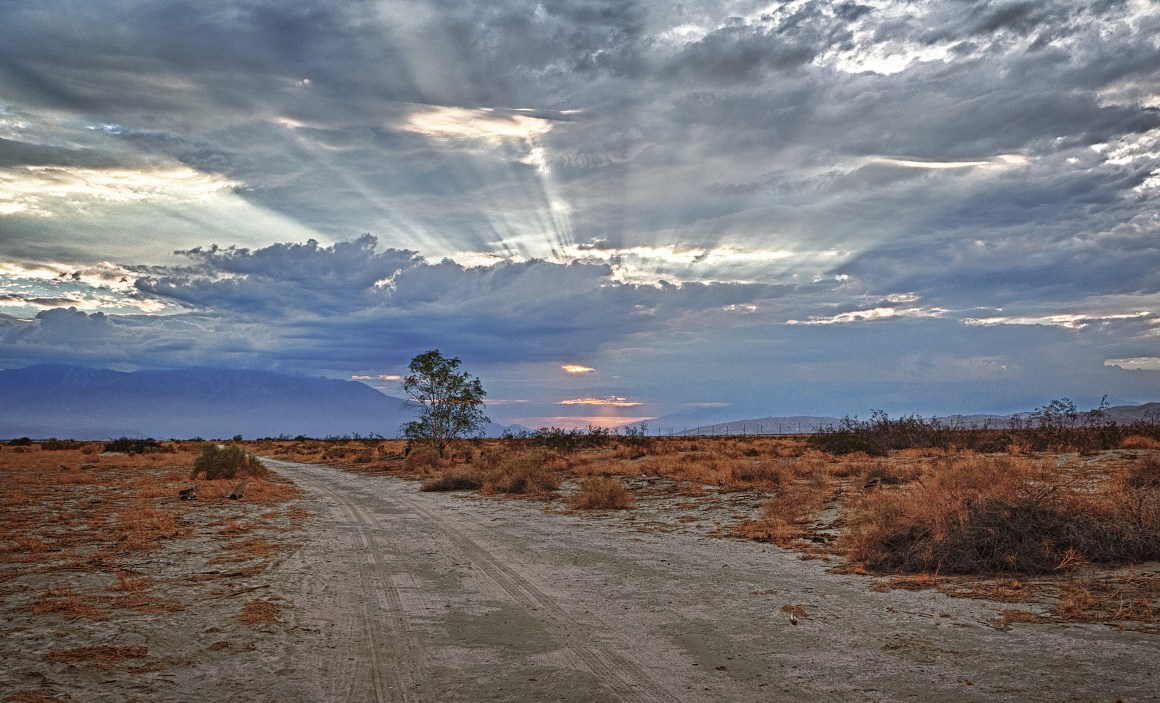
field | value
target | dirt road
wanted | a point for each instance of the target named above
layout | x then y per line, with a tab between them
406	596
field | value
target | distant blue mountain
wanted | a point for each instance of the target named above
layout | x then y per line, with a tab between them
71	401
807	424
725	421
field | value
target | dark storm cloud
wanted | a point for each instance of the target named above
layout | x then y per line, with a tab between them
736	55
319	300
281	278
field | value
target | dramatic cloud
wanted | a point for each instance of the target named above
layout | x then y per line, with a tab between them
806	206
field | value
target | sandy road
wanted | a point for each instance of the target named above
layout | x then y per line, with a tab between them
406	596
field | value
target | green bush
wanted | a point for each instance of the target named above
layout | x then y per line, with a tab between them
225	462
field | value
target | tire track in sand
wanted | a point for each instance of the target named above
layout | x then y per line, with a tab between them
632	670
630	667
392	674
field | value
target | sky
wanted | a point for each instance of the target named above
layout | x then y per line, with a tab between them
609	210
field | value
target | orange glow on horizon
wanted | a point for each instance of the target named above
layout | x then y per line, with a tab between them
577	422
611	401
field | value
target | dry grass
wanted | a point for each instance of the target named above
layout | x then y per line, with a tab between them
420	458
297	513
535	472
33	696
1133	598
141	526
463	478
258	547
77	524
1012	616
62	600
1004	514
797	610
908	582
100	657
602	493
129	584
261	612
1140	442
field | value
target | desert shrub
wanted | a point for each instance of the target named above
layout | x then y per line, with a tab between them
336	453
1149	429
20	442
637	437
528	472
126	445
489	458
561	440
55	444
225	462
1060	426
880	434
1136	441
883	473
461	479
461	453
785	517
421	457
629	452
759	472
602	493
1057	426
1144	474
998	514
874	437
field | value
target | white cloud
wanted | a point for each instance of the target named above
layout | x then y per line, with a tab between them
885	58
1000	161
880	313
38	189
483	124
1075	321
1137	147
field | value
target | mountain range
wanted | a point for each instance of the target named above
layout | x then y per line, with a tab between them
82	403
70	401
1121	414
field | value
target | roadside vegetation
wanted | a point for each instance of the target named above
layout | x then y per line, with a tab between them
226	461
101	539
1061	501
80	517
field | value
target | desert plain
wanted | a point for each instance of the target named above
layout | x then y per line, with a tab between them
676	569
